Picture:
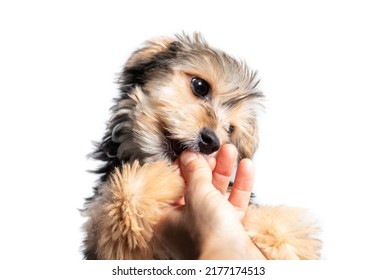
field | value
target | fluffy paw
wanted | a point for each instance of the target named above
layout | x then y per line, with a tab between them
282	232
130	205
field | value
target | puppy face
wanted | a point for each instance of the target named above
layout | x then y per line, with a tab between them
178	93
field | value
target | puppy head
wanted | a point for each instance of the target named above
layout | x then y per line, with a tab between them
179	93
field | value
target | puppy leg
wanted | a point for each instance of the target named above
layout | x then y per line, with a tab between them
128	206
282	232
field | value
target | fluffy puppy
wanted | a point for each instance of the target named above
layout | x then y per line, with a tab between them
178	93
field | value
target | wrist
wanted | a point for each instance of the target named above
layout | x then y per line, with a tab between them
232	246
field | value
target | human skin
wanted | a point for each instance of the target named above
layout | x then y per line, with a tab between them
206	215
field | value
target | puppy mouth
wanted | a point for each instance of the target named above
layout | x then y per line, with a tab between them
176	147
206	143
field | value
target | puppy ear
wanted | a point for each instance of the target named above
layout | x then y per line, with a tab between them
149	51
147	63
246	142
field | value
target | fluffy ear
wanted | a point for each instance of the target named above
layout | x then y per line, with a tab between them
149	50
153	57
151	60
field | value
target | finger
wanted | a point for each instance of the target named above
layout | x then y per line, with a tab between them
211	162
243	184
195	169
225	162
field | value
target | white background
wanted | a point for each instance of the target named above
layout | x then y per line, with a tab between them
317	63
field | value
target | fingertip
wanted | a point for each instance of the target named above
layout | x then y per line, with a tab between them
247	164
194	167
245	175
230	149
243	185
187	157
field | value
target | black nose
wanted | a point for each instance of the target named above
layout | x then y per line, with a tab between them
208	142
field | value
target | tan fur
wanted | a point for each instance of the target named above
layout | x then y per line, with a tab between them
129	206
282	233
151	47
159	110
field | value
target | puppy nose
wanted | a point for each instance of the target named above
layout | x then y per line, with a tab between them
208	142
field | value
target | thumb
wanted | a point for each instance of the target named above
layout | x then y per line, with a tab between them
195	169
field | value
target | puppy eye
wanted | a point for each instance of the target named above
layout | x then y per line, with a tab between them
230	129
199	87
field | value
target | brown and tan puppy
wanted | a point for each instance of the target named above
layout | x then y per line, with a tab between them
176	94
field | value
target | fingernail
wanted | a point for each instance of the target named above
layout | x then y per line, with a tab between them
187	157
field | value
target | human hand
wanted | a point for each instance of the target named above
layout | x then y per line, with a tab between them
209	223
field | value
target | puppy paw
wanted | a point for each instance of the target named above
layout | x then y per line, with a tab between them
283	233
132	202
